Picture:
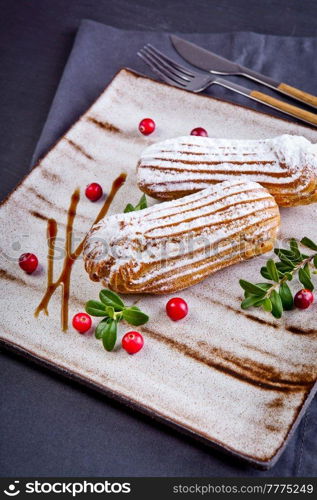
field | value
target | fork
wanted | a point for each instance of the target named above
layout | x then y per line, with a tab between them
180	76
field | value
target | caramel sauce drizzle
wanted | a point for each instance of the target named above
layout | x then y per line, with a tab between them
70	257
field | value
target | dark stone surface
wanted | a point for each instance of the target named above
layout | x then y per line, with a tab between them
50	426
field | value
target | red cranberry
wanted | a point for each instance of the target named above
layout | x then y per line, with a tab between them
199	131
303	299
94	191
176	308
82	322
28	262
147	126
132	342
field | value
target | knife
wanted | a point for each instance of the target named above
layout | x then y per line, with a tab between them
208	61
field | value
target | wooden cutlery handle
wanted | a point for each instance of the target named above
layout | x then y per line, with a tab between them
298	94
284	106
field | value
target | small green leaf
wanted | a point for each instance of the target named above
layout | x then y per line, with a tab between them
264	286
134	308
277	306
109	336
99	331
134	316
252	300
142	203
267	305
271	269
294	248
95	308
283	251
264	273
306	269
309	243
315	261
128	208
286	297
305	279
110	298
287	261
110	312
282	267
251	288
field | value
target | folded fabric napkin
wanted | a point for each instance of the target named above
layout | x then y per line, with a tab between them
99	52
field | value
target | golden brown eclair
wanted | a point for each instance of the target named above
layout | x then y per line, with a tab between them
173	245
285	165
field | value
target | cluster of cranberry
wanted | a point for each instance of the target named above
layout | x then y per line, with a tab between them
132	342
147	127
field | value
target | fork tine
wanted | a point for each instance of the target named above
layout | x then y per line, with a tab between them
182	69
153	65
160	70
168	63
166	67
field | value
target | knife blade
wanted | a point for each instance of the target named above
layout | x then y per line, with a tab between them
208	61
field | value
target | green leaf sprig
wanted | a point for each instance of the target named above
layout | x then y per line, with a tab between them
276	296
113	310
142	203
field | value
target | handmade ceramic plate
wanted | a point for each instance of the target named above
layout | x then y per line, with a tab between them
239	380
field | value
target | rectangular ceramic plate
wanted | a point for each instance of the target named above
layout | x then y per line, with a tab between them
238	380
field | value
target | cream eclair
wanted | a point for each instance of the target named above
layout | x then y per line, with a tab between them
285	165
175	244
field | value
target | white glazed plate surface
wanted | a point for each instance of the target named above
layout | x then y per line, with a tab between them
236	379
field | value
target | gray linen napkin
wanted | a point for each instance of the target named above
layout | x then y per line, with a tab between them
98	53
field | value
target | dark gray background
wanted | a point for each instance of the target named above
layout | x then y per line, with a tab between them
50	426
